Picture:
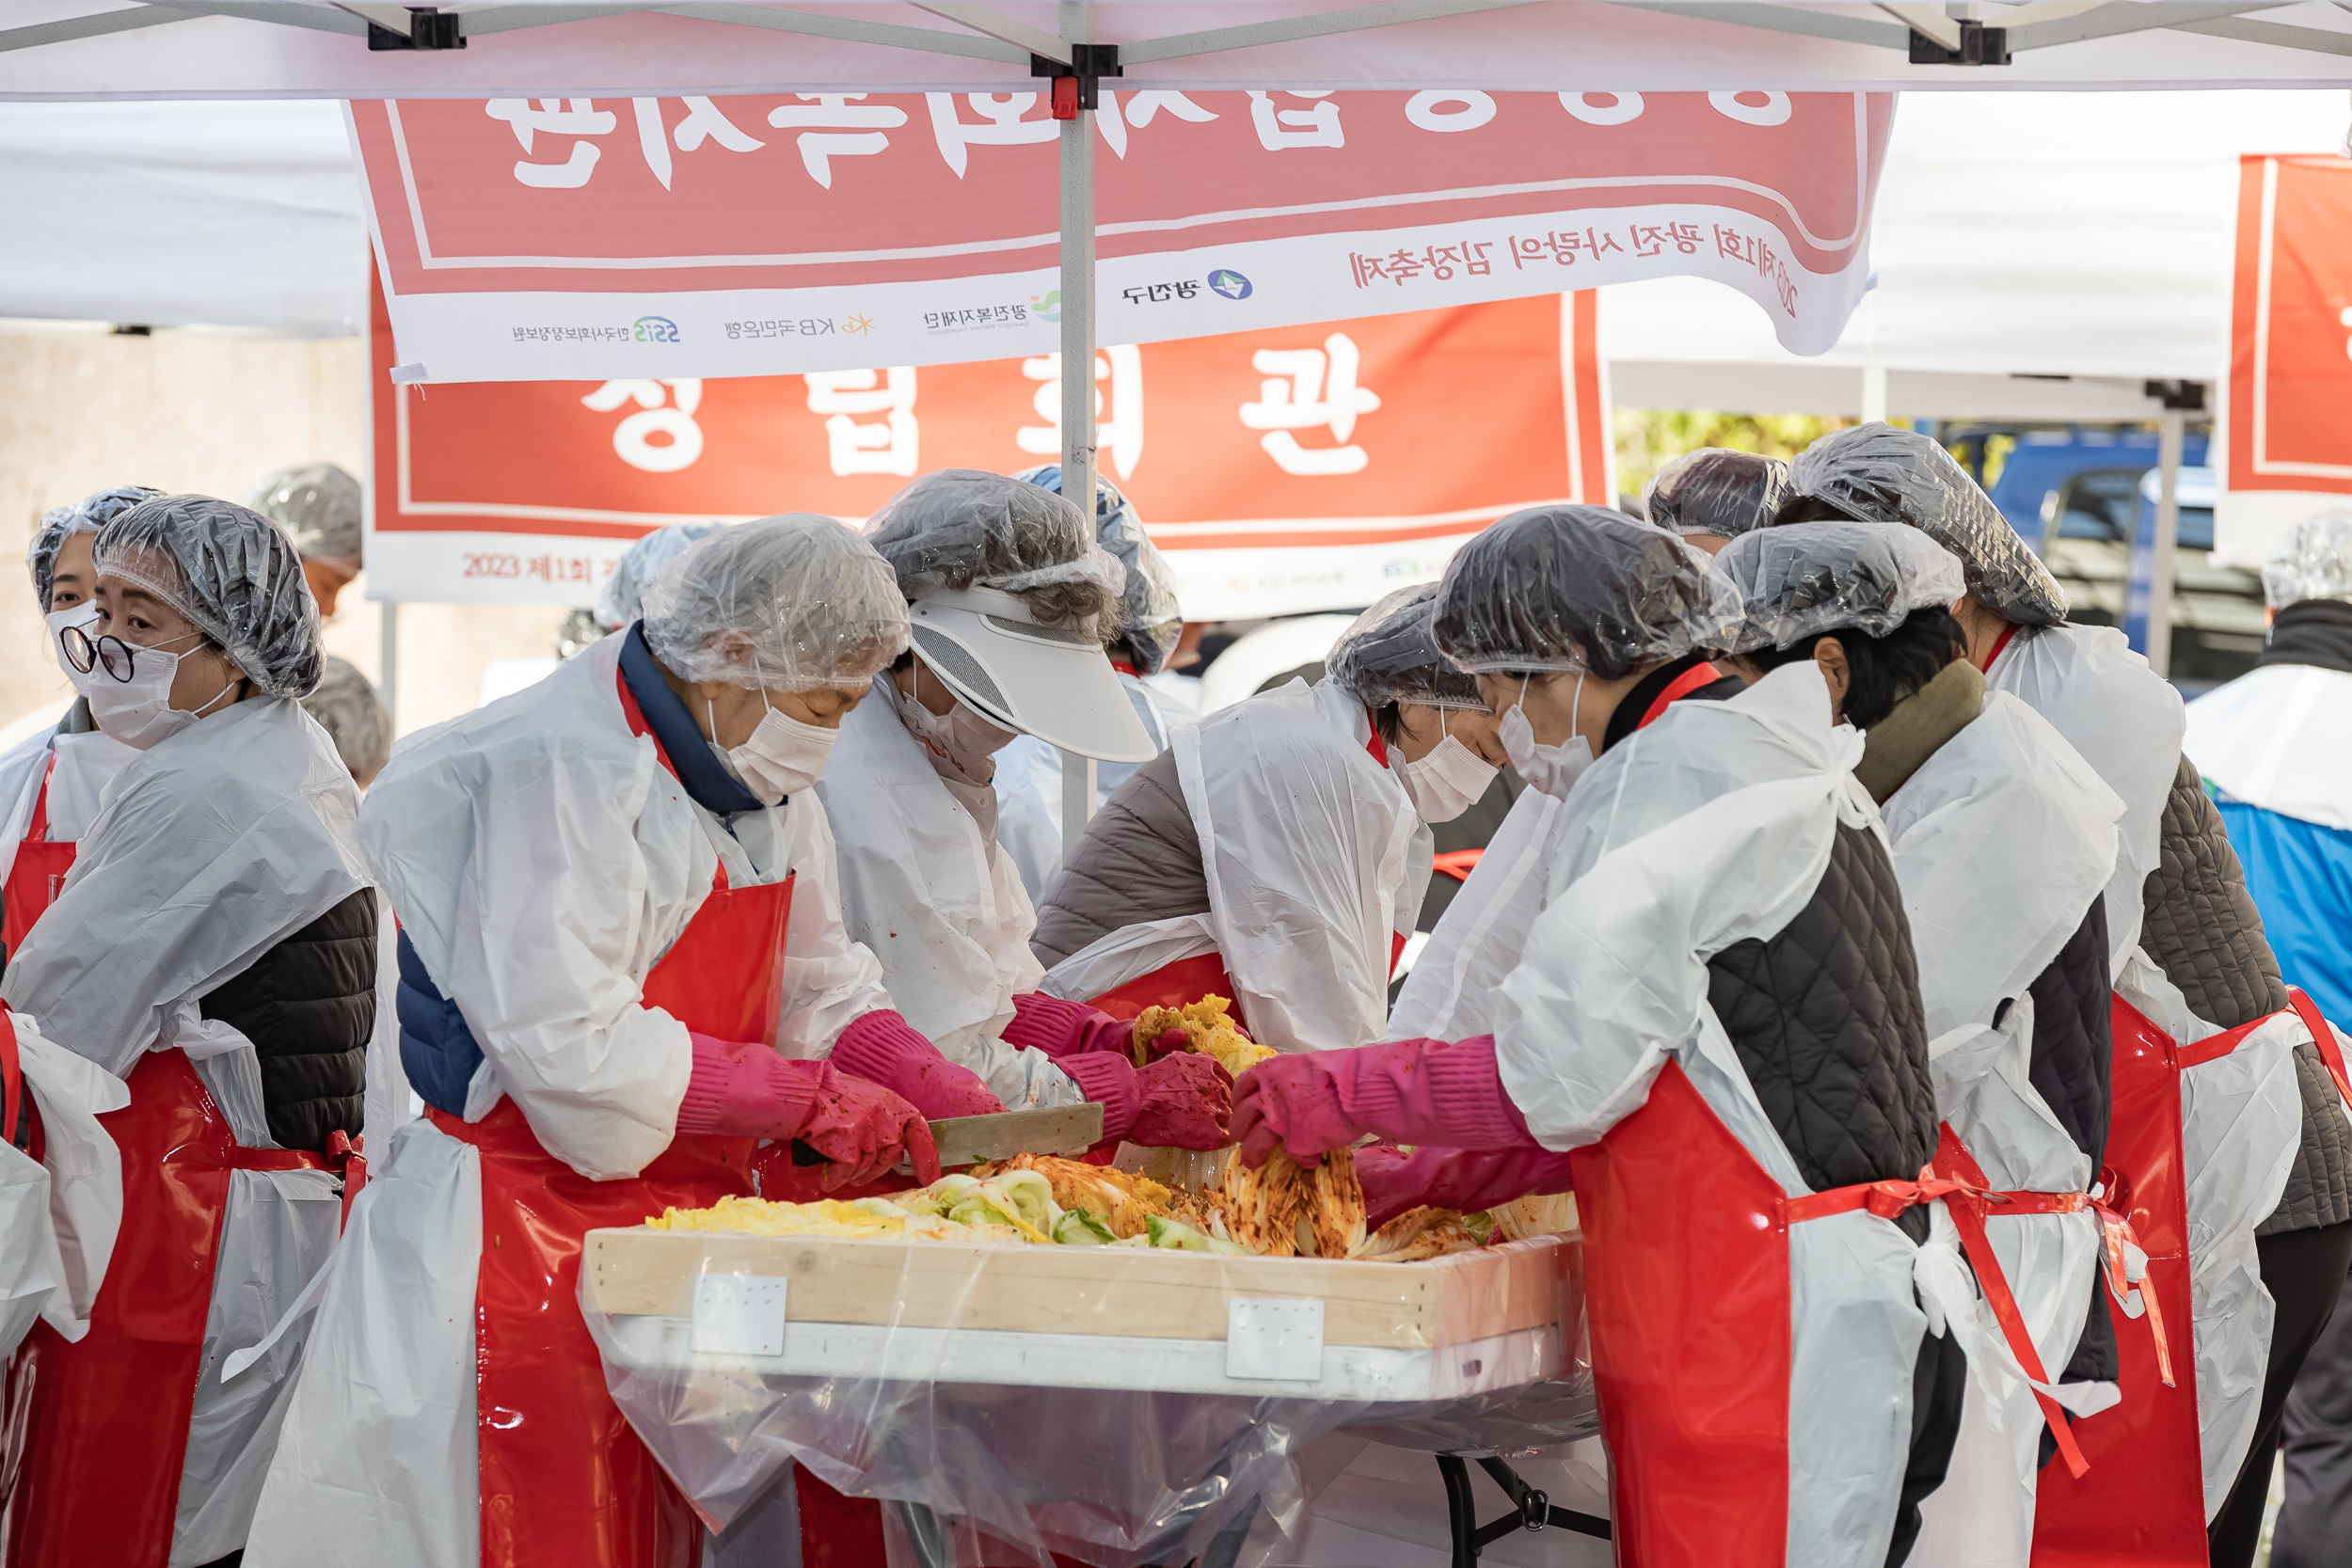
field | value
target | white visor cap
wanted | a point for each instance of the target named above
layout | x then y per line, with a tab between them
1051	681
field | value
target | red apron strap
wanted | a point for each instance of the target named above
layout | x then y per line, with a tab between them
2112	1207
38	829
2000	642
2214	1046
1968	1208
1456	864
1701	674
1125	668
1378	749
2330	1049
11	1076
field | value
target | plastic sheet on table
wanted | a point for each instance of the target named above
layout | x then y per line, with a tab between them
1029	1401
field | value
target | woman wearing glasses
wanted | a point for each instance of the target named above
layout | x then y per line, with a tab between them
215	944
49	785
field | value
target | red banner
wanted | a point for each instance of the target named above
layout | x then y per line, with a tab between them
1289	469
2287	433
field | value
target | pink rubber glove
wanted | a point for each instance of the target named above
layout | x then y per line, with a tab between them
1466	1181
1059	1028
1413	1091
1187	1101
882	1048
739	1090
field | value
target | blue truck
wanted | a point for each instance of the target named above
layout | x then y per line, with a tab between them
2083	496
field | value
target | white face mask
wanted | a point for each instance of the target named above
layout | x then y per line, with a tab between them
962	744
1444	783
138	711
83	615
1551	770
782	757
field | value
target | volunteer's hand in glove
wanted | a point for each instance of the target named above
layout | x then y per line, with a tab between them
1161	1044
1458	1179
863	1128
882	1048
1414	1091
1293	1101
1187	1100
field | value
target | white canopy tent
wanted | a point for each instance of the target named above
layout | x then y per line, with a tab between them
360	49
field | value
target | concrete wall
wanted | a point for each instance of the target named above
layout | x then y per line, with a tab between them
194	411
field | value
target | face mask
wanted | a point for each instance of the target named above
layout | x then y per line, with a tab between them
1550	769
783	755
962	744
84	615
138	711
1444	783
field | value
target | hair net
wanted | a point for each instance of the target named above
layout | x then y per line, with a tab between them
348	709
1576	588
1153	623
1879	474
232	573
1387	655
1716	490
61	523
2314	562
961	527
1809	578
318	506
788	603
622	598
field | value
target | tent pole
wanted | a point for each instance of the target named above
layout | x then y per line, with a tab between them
388	683
1077	371
2173	427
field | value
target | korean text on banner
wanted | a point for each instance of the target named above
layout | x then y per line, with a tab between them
1282	471
2288	444
527	239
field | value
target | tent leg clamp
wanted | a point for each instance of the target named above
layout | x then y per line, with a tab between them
1078	84
429	28
1978	45
1533	1509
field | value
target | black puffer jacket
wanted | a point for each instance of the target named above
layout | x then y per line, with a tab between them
2202	929
1827	1020
308	1005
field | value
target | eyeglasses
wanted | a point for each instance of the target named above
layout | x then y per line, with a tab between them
118	659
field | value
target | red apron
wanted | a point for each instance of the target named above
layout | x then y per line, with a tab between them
37	871
106	1419
563	1480
1687	1292
2146	1507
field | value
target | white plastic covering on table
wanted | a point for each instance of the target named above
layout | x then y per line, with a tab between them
58	1215
2241	1121
2002	841
1118	1450
1314	860
924	887
2125	722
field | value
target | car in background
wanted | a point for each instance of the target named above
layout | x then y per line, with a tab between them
2042	460
2085	533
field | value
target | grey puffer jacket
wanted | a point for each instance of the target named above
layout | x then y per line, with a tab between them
1139	861
2202	929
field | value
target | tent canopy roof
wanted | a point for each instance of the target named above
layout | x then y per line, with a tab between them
315	48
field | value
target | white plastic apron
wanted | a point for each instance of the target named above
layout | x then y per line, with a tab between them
2002	841
1314	857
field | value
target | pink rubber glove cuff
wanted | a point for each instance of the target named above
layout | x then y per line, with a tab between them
1059	1028
882	1048
1466	1181
1430	1092
1110	1081
745	1090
